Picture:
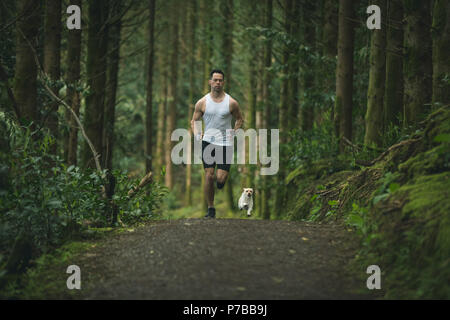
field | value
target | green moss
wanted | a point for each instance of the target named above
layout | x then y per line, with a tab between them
406	231
428	203
423	163
414	246
47	277
293	174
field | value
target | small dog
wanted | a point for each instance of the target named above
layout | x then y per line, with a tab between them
246	201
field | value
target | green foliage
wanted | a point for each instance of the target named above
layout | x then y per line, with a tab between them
394	134
316	206
140	207
405	227
52	202
357	218
443	150
47	279
309	146
387	187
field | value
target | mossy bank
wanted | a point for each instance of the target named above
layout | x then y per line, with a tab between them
398	204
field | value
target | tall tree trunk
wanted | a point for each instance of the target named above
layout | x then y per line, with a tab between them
377	75
258	186
205	56
330	28
205	50
173	98
441	49
248	176
149	109
329	40
393	96
52	62
161	127
417	68
111	84
266	193
5	185
227	48
25	86
192	71
294	66
344	73
96	74
283	113
251	118
73	95
307	110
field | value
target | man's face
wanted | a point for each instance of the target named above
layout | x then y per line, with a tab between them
216	82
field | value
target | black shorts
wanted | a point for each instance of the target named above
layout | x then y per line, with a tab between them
223	159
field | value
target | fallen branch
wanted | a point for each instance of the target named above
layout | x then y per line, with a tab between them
325	192
395	146
359	147
348	142
144	181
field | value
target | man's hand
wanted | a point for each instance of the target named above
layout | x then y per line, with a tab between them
231	133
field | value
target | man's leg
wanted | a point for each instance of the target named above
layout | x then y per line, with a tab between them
223	168
209	186
222	176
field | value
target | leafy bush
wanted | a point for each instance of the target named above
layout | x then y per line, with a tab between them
51	202
309	146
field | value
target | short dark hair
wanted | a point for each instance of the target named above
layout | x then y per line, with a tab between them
216	71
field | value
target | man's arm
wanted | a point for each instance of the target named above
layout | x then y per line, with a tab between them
198	114
236	112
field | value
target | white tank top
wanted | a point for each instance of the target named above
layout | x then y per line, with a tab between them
217	119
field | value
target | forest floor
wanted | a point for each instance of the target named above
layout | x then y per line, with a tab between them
222	259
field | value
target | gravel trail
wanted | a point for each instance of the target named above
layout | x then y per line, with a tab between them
223	259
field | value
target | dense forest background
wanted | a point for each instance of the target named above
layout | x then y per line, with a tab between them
86	114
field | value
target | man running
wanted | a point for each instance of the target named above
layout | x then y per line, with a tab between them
217	109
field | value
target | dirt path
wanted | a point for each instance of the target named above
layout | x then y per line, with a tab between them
223	259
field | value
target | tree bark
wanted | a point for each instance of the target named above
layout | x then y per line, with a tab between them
251	117
417	68
441	57
307	110
329	40
192	71
96	74
294	65
205	56
377	75
393	96
266	192
258	186
25	84
330	28
173	98
284	112
344	73
73	95
149	109
161	127
227	47
52	62
111	84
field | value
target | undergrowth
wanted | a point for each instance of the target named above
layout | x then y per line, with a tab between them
45	203
398	207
